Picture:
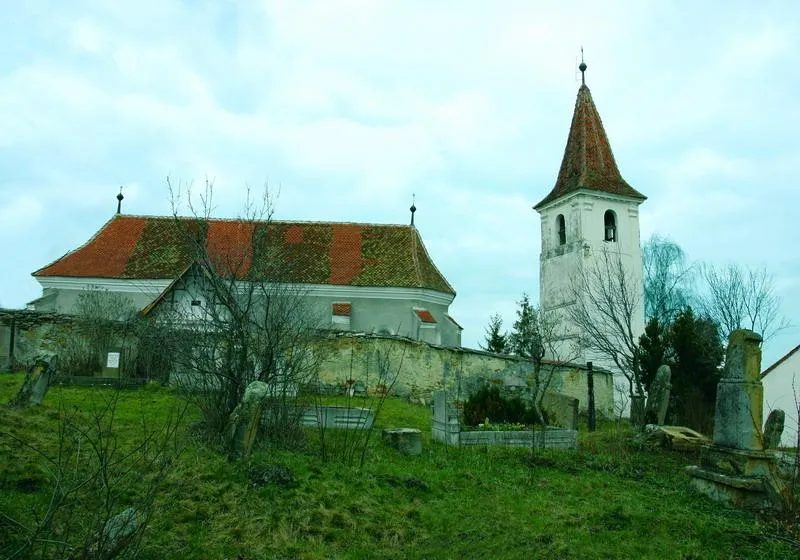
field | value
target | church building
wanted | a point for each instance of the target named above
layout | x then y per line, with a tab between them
369	278
591	213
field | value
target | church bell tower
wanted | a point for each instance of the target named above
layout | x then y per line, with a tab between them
591	213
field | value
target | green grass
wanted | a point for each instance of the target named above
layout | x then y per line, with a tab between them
605	500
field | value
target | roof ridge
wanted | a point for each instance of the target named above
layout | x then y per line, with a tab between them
781	360
139	247
430	260
267	221
414	256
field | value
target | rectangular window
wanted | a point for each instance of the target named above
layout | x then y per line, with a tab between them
427	327
340	314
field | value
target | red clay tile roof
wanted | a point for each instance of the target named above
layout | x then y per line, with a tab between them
588	160
342	309
424	315
141	247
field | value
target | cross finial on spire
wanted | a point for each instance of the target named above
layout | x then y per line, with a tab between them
582	68
119	201
413	208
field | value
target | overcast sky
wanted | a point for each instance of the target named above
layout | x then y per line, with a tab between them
351	106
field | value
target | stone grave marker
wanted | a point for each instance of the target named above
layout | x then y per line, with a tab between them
658	400
773	429
407	441
735	469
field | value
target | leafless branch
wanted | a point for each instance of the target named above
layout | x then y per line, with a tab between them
606	301
742	298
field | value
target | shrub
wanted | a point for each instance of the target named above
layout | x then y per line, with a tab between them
487	402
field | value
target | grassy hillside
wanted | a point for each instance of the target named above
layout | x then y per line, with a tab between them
603	501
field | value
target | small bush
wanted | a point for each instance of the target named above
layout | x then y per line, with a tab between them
487	402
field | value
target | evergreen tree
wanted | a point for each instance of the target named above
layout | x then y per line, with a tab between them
496	340
526	337
697	354
654	350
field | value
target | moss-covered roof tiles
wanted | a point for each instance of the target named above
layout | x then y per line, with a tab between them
343	254
588	160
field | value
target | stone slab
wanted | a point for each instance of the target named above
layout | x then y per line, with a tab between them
338	417
407	441
744	492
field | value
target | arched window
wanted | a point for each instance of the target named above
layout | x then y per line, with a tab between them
561	227
610	221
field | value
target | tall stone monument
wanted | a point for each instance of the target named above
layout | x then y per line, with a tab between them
735	468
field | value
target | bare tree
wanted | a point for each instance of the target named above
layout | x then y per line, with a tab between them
742	298
236	318
667	279
607	303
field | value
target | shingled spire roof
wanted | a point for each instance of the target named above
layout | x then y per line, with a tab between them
588	161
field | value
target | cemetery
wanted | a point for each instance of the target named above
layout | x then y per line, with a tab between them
202	387
396	502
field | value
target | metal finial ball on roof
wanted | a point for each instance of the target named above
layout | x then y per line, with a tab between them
120	197
582	67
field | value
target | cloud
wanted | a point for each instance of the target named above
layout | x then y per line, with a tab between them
351	106
19	214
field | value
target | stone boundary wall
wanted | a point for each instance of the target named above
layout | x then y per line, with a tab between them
34	332
422	368
419	367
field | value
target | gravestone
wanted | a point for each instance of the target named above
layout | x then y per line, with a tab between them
658	399
445	426
245	419
37	381
117	534
773	429
637	411
735	469
738	416
407	441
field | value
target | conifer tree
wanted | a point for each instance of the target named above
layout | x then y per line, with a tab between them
496	339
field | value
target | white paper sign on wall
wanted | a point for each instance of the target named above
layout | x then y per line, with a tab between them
113	360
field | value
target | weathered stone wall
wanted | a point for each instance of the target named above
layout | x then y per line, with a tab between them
422	368
34	332
419	367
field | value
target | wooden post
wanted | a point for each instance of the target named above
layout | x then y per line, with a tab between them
590	407
12	340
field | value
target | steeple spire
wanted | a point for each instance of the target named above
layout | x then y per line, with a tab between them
588	160
582	68
413	208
